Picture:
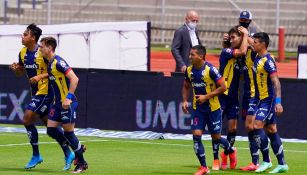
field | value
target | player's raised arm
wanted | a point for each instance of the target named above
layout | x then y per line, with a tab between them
243	48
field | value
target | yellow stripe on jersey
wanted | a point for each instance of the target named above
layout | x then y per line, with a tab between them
250	64
228	74
23	53
60	80
211	86
262	79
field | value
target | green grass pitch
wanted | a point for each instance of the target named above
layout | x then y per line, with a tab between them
130	157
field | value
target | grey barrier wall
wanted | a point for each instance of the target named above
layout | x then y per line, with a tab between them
135	100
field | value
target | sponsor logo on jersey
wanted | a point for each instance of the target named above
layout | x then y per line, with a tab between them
32	104
250	109
202	84
261	114
65	117
217	127
31	66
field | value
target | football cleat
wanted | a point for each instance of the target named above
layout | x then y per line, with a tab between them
263	166
202	170
250	167
216	165
233	159
280	169
35	160
69	160
81	167
224	163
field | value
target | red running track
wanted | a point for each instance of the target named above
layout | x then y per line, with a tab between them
163	61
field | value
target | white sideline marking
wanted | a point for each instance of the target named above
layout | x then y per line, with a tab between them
133	141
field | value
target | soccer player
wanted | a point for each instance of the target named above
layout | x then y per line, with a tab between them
31	61
249	107
268	91
230	70
64	83
207	84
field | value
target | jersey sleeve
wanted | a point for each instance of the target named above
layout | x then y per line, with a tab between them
227	53
214	74
19	59
62	66
186	76
270	66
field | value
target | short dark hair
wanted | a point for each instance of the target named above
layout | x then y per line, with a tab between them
49	41
263	37
201	50
35	31
235	30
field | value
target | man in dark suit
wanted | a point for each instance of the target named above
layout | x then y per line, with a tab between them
184	39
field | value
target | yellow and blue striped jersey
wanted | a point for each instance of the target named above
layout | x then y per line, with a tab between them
248	63
34	64
264	66
230	70
57	69
204	81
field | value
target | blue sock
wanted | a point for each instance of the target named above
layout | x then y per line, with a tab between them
226	146
231	137
277	147
57	134
263	143
199	150
75	145
33	137
253	147
215	148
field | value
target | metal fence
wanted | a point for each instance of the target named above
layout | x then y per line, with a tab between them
217	16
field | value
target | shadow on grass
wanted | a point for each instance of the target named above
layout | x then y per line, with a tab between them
34	171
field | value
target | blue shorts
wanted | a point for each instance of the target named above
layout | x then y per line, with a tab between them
266	111
199	120
59	114
249	107
40	104
230	107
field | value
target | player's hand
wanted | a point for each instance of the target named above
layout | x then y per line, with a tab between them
278	109
243	30
66	103
183	68
201	98
226	37
185	106
17	68
35	79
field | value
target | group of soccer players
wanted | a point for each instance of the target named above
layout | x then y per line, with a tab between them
216	96
53	84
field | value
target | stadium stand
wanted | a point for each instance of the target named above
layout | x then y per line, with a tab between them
217	16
